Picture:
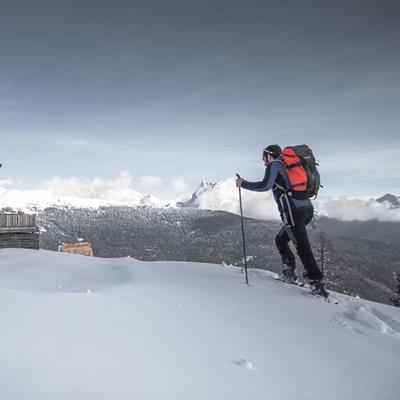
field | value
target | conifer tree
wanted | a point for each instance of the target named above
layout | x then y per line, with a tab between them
322	255
396	294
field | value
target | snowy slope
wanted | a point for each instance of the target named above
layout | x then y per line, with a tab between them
89	328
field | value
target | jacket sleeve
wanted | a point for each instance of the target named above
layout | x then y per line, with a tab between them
271	173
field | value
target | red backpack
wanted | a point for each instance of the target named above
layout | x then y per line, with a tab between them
302	170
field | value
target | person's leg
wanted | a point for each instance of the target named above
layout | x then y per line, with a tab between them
288	259
309	216
304	250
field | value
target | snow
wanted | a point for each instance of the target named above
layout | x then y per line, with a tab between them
77	327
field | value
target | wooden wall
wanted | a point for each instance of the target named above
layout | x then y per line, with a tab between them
17	220
19	231
84	248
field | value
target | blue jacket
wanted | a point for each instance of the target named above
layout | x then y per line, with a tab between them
277	180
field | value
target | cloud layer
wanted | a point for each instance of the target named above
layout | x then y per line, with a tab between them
78	192
261	205
119	189
224	195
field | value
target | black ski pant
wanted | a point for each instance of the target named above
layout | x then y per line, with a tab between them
298	234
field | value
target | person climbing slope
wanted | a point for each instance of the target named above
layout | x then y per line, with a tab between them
296	212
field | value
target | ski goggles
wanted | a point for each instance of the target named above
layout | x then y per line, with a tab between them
266	152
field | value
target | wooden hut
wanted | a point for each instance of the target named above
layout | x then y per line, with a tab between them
19	230
83	248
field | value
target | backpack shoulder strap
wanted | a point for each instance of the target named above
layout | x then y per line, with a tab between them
277	186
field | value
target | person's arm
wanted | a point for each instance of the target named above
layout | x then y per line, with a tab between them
271	173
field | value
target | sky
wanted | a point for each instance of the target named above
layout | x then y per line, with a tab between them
171	93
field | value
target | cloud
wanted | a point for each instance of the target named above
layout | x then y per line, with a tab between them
261	205
78	192
180	186
151	182
119	189
6	182
353	209
220	196
225	196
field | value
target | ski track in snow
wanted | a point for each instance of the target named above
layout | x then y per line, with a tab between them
362	318
244	363
353	314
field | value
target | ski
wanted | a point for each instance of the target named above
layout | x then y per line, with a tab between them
295	283
328	299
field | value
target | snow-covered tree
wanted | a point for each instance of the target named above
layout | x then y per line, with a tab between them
396	294
322	255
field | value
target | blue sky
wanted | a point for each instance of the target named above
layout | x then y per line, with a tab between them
196	90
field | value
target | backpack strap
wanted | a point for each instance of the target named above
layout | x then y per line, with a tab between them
299	184
277	186
298	164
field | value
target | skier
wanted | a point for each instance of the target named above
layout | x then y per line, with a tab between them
295	214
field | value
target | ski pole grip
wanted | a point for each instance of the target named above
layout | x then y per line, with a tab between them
238	176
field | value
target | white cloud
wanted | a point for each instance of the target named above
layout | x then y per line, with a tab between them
180	186
119	189
353	209
78	192
225	196
221	196
6	182
151	182
261	205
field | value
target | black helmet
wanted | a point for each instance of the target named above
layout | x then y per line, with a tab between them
273	149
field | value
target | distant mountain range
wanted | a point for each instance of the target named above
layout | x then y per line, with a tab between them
215	196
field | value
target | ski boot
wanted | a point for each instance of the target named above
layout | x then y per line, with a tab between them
288	275
318	288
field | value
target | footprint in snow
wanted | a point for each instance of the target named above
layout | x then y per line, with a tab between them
341	322
358	317
245	363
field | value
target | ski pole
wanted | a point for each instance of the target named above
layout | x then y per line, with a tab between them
244	241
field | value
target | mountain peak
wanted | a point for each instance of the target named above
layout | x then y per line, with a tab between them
203	187
394	201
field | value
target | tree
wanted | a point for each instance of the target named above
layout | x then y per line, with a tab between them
323	253
396	294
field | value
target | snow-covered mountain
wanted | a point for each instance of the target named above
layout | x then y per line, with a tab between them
392	200
214	196
86	328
